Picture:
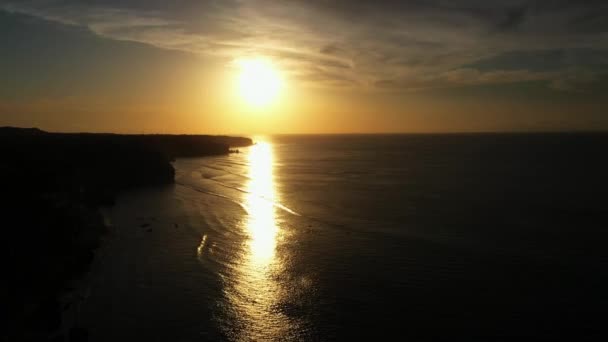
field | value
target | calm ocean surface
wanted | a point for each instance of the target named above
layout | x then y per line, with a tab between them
425	237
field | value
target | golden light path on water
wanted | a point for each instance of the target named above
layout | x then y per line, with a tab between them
257	292
260	197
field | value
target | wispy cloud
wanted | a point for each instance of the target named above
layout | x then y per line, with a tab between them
380	44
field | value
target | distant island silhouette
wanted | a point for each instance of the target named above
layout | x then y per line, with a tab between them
53	185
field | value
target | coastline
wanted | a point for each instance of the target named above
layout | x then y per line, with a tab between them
55	220
177	264
151	246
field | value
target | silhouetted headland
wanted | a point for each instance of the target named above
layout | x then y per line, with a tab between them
95	166
53	184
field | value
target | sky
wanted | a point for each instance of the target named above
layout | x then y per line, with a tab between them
348	66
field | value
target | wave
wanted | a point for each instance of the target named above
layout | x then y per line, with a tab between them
239	202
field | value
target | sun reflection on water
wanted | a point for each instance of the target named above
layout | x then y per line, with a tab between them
257	293
261	223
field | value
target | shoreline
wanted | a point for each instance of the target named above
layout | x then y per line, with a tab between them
56	186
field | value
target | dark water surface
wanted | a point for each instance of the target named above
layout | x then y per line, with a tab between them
429	237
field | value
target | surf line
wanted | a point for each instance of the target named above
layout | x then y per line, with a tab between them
206	192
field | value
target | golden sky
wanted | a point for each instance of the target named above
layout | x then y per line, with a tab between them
342	66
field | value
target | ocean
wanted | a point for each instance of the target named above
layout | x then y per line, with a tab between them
363	237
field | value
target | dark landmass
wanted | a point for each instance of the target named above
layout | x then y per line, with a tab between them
93	167
52	187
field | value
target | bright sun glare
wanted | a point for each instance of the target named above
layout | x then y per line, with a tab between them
259	81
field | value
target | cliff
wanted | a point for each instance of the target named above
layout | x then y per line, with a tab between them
52	185
97	165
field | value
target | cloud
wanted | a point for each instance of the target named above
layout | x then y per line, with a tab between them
385	43
575	79
513	18
462	77
332	49
570	80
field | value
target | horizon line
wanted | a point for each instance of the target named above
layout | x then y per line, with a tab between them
549	131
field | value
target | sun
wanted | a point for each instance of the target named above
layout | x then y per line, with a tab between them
259	81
